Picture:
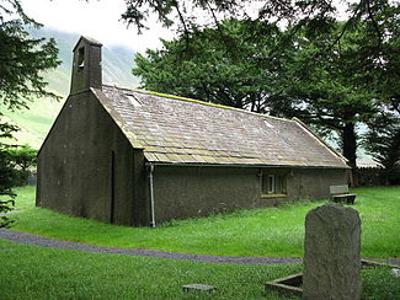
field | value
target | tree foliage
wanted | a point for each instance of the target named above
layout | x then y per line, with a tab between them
6	182
22	62
330	86
23	160
24	157
254	65
296	14
22	59
383	142
233	65
332	74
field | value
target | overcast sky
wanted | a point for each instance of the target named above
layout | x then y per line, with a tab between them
98	19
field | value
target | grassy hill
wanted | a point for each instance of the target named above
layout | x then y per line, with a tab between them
36	122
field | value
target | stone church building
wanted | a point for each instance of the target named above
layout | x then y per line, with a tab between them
141	158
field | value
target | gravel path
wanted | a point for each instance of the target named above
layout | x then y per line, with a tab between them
28	238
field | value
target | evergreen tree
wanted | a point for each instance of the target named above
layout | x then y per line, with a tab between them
383	142
331	74
22	62
235	65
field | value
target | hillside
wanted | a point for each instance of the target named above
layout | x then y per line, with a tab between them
36	122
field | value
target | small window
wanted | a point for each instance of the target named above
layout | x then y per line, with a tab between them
134	101
273	183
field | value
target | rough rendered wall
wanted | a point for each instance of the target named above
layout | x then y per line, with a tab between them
74	171
313	183
182	192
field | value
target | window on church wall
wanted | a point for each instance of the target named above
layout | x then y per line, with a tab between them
273	183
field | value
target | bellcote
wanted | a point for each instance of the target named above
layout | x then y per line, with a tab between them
86	68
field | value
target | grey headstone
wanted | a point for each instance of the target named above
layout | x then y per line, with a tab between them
197	287
332	260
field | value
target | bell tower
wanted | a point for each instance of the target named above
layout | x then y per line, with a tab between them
86	67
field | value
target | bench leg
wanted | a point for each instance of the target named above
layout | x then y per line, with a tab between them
350	200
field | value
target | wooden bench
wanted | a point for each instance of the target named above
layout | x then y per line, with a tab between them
340	193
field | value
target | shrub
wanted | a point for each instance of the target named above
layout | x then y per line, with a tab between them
23	160
7	177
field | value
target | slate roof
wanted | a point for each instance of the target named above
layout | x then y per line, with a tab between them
176	130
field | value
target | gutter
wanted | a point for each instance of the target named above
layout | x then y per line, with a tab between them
151	184
182	164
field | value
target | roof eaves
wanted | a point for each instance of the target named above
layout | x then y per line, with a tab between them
207	164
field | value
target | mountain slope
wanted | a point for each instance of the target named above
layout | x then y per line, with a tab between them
117	62
36	122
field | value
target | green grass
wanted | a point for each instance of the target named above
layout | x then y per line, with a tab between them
276	232
76	275
29	272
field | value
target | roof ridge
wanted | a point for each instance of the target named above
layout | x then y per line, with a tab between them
187	99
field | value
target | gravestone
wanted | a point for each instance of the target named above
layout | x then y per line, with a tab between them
332	260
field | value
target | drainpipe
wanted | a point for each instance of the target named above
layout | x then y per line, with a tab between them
151	178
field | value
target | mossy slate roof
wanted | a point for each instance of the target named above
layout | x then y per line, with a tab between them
175	130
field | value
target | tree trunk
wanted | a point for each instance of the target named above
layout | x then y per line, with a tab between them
349	139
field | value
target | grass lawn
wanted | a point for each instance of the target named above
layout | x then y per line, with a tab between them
29	272
276	232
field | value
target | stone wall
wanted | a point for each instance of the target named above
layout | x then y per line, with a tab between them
75	171
182	192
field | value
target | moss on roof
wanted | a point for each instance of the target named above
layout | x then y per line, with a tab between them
196	101
189	131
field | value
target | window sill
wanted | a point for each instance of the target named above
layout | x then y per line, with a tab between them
268	196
